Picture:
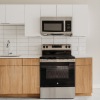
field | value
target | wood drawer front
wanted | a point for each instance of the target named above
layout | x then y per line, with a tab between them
31	61
83	61
10	61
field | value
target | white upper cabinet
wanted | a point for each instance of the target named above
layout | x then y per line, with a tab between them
64	10
15	14
2	13
32	20
48	10
80	20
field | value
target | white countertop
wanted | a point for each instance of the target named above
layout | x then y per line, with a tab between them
23	56
34	56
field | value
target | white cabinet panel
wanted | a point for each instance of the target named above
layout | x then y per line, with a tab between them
64	10
32	20
48	10
14	13
80	20
2	13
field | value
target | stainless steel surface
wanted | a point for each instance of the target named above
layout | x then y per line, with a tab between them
55	19
57	92
9	55
63	47
57	60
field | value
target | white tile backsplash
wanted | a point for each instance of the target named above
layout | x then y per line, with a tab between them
22	45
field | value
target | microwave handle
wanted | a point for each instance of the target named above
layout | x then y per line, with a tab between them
64	26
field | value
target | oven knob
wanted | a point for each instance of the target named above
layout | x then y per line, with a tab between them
69	46
43	46
66	46
46	46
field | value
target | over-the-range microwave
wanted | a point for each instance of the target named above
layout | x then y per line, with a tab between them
56	26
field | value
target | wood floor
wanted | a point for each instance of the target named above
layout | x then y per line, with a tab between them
95	96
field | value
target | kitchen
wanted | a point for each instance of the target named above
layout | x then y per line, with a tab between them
28	46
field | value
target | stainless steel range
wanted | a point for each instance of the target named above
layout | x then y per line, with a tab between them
57	71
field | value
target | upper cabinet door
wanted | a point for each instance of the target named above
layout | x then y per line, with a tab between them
32	20
15	14
2	13
80	20
48	10
64	10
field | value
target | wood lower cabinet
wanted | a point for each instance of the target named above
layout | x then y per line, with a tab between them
31	80
83	76
10	79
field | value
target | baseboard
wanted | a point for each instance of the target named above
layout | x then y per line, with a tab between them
96	86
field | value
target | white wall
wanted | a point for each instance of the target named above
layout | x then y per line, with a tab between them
93	40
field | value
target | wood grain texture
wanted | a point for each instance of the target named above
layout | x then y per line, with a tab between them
83	94
83	76
31	80
83	61
21	95
31	61
10	61
10	79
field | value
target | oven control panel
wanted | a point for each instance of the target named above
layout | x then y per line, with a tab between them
56	47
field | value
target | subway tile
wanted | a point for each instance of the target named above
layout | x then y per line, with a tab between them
19	52
1	52
60	41
22	44
20	32
9	32
35	48
1	48
11	27
82	44
10	39
22	40
1	32
1	44
22	27
35	39
1	27
60	37
35	44
82	48
47	41
45	37
22	48
82	40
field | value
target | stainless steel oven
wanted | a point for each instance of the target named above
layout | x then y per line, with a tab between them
57	72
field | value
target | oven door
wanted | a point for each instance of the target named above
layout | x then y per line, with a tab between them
57	74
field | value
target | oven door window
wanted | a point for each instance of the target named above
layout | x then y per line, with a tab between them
52	26
58	72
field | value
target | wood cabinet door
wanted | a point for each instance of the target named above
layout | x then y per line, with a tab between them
31	80
64	10
48	10
15	14
83	79
32	20
10	79
2	13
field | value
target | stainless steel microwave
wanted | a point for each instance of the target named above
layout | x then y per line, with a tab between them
56	26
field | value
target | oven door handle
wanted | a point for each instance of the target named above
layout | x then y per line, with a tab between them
57	60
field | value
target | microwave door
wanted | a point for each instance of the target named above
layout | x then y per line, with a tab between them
52	26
